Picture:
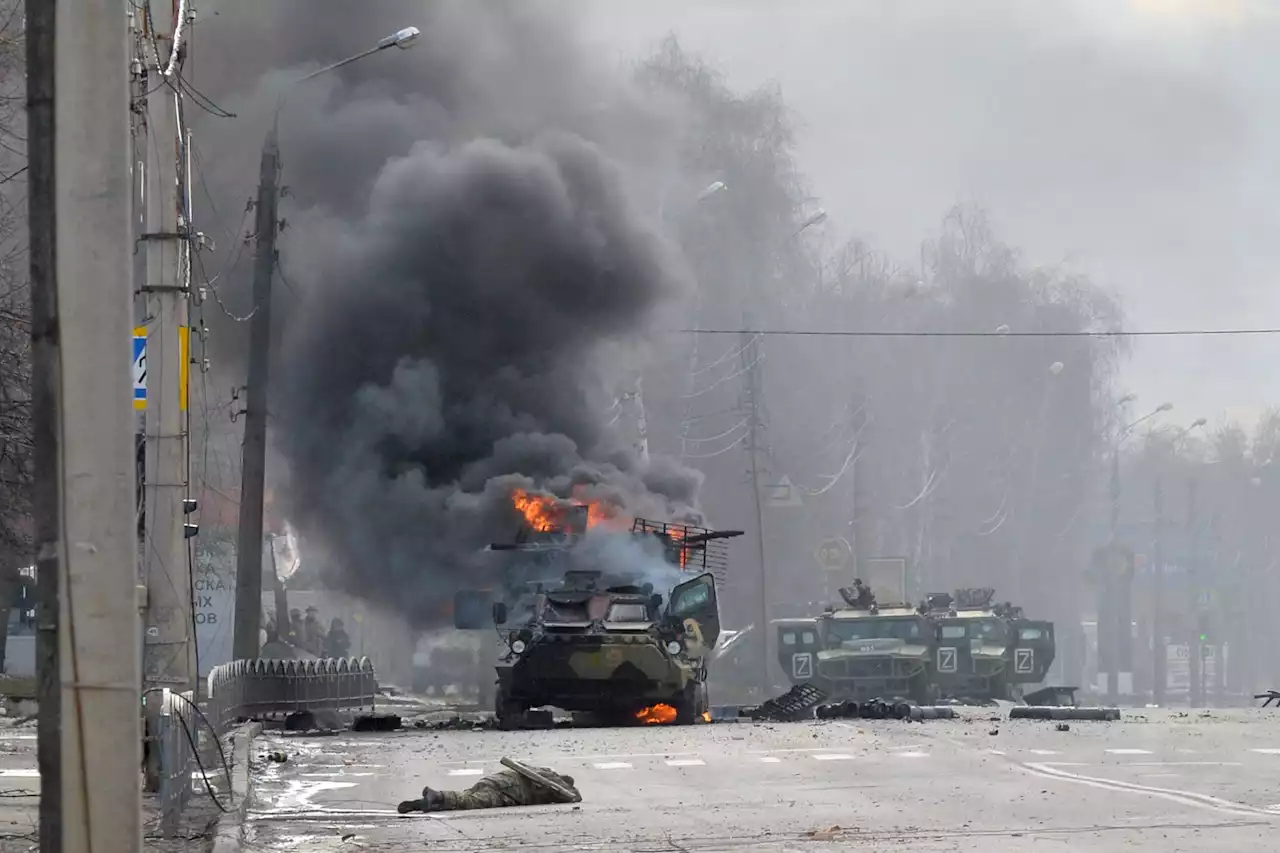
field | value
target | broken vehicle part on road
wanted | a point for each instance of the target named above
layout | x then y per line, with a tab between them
878	709
794	705
1028	712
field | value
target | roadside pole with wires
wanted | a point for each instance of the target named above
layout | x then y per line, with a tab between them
169	644
80	249
248	612
755	446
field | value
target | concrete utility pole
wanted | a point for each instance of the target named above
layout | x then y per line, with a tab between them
1195	687
1119	590
249	543
755	440
169	652
81	248
248	617
1158	652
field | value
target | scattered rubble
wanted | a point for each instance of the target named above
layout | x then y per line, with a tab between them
878	709
457	724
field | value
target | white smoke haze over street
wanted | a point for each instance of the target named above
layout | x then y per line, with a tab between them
1132	139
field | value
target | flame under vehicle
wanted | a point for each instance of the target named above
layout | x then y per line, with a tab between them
986	650
609	647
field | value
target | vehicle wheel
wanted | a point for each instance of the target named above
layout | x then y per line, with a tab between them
692	704
924	693
509	714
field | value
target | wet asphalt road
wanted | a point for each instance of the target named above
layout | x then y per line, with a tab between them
1161	781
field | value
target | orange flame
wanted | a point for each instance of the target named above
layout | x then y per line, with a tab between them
539	511
656	715
706	716
546	513
676	534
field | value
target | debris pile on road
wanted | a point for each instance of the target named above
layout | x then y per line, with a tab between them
878	709
796	704
1059	712
377	723
1268	696
457	724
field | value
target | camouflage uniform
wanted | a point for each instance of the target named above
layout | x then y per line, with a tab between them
500	790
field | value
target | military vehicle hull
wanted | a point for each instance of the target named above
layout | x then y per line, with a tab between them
812	651
985	655
864	677
613	678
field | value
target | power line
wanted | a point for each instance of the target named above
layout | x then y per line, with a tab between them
890	333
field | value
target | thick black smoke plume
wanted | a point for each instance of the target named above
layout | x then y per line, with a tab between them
464	310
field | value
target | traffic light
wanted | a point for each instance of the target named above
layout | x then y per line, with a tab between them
1204	626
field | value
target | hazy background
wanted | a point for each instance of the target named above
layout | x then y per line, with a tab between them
1131	139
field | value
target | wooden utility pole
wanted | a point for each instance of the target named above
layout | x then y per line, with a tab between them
169	652
248	618
81	247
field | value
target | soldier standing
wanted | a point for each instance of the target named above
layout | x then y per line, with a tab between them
296	634
337	644
312	633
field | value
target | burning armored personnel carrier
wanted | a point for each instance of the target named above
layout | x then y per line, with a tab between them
610	646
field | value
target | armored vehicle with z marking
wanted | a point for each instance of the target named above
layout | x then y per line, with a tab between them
986	650
861	651
605	646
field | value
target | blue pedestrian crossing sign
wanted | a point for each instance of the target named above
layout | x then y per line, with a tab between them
140	367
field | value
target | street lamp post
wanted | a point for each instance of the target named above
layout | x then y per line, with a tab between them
248	615
751	362
1159	643
1115	597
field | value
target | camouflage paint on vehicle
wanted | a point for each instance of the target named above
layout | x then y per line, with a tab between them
860	654
987	651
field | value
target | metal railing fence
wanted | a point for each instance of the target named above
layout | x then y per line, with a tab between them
239	691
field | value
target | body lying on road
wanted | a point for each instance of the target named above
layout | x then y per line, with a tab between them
518	785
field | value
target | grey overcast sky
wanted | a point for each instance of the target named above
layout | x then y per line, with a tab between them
1134	140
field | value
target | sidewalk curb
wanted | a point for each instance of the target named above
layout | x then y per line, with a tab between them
229	833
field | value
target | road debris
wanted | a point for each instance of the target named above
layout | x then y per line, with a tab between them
828	834
456	724
377	723
1268	696
519	785
796	704
878	709
1043	712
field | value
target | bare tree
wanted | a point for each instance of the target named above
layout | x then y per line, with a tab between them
15	349
980	460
